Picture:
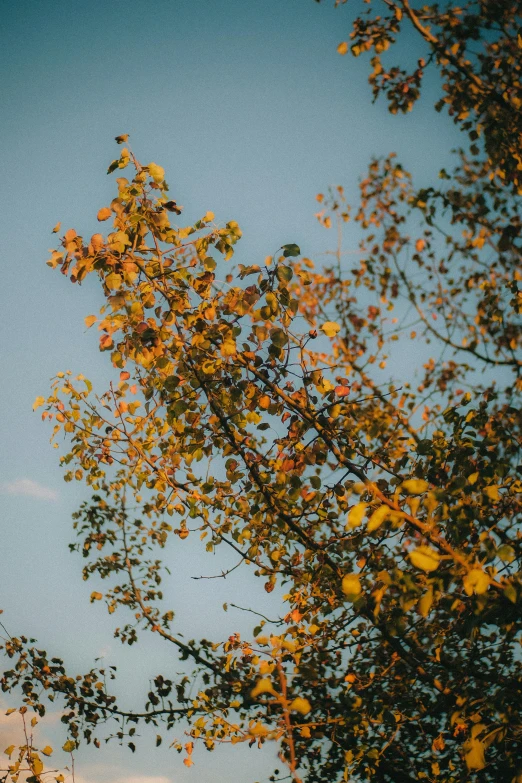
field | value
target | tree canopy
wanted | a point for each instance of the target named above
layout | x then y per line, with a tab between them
350	430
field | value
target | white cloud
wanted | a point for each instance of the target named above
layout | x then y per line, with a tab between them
28	488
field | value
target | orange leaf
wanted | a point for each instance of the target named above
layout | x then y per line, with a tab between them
104	214
105	342
97	242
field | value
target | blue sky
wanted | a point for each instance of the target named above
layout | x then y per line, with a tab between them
251	111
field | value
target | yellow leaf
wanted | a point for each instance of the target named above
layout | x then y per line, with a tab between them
300	705
258	730
104	214
118	241
208	217
356	515
343	47
472	478
55	259
56	228
156	172
324	386
492	492
9	750
377	518
425	558
263	686
351	586
37	765
96	597
476	581
330	328
415	486
425	603
38	403
229	348
474	754
47	751
90	320
113	281
69	746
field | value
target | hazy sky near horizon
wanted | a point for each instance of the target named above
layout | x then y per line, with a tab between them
251	111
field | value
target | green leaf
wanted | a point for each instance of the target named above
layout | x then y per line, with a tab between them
506	553
279	337
291	250
283	273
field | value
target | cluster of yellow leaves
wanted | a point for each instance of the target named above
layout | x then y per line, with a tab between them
212	373
26	759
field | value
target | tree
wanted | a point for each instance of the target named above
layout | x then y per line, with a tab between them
258	414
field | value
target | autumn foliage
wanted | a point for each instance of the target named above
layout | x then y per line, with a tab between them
350	431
